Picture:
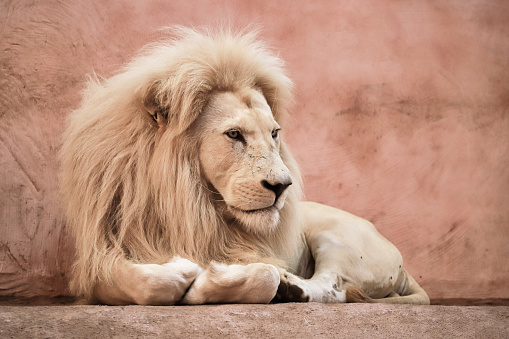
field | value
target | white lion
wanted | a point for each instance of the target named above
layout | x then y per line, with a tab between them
179	189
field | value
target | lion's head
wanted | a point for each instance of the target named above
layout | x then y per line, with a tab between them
181	154
239	155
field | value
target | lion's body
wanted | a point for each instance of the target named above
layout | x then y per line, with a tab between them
177	185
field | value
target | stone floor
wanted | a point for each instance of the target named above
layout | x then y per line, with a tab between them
293	320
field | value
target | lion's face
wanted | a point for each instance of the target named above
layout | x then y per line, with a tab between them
239	155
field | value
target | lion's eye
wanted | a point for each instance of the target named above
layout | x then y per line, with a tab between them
233	134
275	133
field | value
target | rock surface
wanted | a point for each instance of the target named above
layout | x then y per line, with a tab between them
292	320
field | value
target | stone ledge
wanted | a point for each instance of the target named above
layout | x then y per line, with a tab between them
293	320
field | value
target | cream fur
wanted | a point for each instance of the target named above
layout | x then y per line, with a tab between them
168	204
131	192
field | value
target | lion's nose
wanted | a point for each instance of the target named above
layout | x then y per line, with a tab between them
277	188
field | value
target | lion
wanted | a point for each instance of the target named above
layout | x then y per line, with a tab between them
179	188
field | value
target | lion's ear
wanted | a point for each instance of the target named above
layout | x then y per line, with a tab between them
152	106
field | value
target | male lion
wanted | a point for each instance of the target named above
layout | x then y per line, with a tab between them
180	190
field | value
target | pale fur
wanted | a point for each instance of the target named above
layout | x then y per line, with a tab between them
156	220
127	196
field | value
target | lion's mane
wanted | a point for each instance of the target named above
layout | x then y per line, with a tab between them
135	192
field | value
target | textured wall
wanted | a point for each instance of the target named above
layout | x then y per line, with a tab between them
402	117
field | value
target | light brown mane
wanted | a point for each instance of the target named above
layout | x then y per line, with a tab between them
133	190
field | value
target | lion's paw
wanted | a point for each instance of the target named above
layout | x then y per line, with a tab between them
324	289
164	284
186	268
220	283
291	289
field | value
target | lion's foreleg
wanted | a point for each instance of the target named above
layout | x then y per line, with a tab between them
220	283
326	288
147	284
326	284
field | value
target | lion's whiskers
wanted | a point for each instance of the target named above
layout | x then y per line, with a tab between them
213	193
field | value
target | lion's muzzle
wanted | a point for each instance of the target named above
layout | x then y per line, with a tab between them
280	191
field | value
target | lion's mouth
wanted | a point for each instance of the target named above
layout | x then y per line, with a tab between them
270	209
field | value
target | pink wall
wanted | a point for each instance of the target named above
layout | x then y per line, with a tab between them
402	117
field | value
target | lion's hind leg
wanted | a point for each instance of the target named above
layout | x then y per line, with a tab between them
410	292
407	291
355	294
221	283
147	284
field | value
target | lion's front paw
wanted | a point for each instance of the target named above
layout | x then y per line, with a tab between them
164	284
187	269
325	289
291	289
220	283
